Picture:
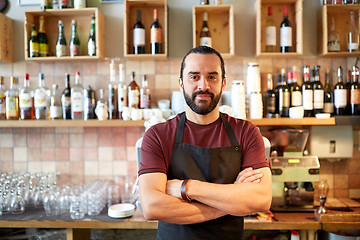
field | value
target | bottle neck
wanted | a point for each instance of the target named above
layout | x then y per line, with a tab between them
41	82
138	16
26	82
73	28
12	83
41	27
61	30
67	82
270	84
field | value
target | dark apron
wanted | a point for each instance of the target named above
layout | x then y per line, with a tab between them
215	165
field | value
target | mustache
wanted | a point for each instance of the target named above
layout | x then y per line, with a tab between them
202	92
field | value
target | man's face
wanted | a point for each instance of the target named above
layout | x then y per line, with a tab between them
202	83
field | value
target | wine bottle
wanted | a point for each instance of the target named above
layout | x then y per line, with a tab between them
347	87
205	35
66	99
92	39
333	38
270	32
33	43
285	33
353	36
113	93
42	38
75	40
133	92
2	99
328	94
284	95
318	91
355	92
295	89
139	35
156	35
340	97
269	99
77	99
61	42
26	100
63	4
145	96
122	90
55	103
40	99
46	4
89	103
307	93
12	100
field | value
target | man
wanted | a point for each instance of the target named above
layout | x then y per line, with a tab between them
202	171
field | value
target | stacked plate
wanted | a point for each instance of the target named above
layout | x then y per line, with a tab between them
177	102
121	210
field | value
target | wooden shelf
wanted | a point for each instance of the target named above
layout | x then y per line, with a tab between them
51	18
147	56
292	122
6	38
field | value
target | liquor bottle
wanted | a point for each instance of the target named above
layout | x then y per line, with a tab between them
284	95
63	4
347	87
12	101
295	89
133	92
353	36
55	103
122	90
285	33
269	98
46	4
89	103
33	43
75	40
26	100
61	42
328	94
92	39
43	41
318	91
66	99
355	92
101	106
340	97
40	99
156	35
307	93
139	35
2	99
145	96
77	99
113	93
205	35
270	32
333	38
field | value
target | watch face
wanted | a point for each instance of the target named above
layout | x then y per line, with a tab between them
3	5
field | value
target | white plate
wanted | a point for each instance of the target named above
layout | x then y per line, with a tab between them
322	115
121	210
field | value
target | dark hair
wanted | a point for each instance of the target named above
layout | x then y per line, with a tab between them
203	50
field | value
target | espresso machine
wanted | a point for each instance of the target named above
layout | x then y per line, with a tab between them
293	174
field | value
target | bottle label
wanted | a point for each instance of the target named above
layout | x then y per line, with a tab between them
74	50
55	112
34	49
77	102
112	99
79	4
139	37
11	106
286	36
270	36
25	100
307	96
352	47
91	48
334	46
43	49
60	50
134	98
328	107
296	99
270	107
318	99
122	98
284	99
206	41
340	98
355	96
155	35
144	101
66	101
40	99
2	104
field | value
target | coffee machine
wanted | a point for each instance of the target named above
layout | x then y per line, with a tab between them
293	174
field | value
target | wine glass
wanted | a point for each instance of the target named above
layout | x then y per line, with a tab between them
323	189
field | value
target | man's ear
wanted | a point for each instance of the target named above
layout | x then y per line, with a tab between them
224	84
180	85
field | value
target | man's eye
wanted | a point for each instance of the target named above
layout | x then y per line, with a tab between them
194	77
212	78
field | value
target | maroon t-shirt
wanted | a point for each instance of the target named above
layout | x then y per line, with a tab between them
158	142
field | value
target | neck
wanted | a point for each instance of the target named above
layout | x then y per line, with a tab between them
202	119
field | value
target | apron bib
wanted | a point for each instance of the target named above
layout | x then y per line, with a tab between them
216	165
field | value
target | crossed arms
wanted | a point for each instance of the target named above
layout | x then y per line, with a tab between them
161	199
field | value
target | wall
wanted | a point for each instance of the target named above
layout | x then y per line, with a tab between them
82	154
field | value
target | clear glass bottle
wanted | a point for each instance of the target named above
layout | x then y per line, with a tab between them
77	99
269	99
12	101
26	100
318	91
133	92
61	42
205	35
145	96
270	32
113	93
353	36
89	103
66	98
92	39
328	94
122	90
2	99
40	99
333	38
55	103
340	97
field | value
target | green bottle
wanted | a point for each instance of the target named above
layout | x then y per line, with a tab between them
75	40
42	38
92	42
61	42
33	43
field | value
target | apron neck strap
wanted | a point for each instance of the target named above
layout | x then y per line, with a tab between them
229	132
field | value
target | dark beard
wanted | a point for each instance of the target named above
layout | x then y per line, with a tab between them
202	110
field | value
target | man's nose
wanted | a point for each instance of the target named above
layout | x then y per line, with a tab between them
203	83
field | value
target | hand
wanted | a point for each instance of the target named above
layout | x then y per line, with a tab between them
173	188
249	175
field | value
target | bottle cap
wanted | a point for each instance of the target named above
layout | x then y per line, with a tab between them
286	11
270	11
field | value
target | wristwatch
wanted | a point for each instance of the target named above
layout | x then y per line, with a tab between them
3	5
